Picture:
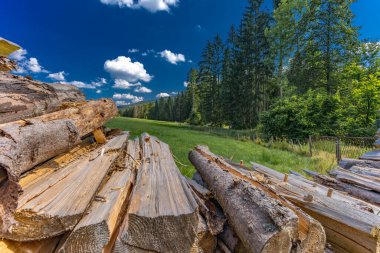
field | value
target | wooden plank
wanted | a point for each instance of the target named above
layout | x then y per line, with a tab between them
42	246
27	143
22	98
348	163
349	217
367	182
260	221
366	195
54	204
162	215
94	231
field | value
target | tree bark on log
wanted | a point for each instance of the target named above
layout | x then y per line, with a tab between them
22	98
366	182
366	195
162	215
350	223
348	163
42	246
262	223
27	143
94	231
53	204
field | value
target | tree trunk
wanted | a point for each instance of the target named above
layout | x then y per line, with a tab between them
162	215
27	143
260	221
54	203
22	98
94	231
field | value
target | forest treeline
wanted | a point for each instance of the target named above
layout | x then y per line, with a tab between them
298	70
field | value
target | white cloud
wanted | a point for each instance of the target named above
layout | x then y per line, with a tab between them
172	57
162	95
124	85
34	66
59	76
123	68
185	83
127	96
99	82
122	103
174	93
144	54
133	50
150	5
142	89
80	84
98	91
18	55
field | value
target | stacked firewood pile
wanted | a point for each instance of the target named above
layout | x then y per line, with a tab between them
268	211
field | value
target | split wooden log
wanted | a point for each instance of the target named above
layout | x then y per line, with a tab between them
348	163
27	143
42	246
54	203
366	182
162	215
23	98
367	195
262	223
350	223
372	155
366	171
205	241
231	240
94	231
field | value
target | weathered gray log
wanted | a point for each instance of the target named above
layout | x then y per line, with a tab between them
53	203
27	143
350	224
372	155
366	171
22	98
366	182
377	143
213	214
94	231
367	195
348	163
42	246
262	223
162	215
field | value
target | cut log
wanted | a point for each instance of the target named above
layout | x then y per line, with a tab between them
212	212
42	246
27	143
348	222
22	98
53	204
162	215
369	196
231	240
205	241
94	231
348	163
262	223
366	182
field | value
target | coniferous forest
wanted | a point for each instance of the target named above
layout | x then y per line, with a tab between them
297	70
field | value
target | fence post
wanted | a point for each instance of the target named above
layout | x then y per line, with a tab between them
310	147
338	150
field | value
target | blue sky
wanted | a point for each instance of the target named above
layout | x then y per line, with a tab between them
124	49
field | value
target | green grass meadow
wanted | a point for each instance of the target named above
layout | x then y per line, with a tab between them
181	140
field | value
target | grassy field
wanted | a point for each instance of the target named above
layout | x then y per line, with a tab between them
182	140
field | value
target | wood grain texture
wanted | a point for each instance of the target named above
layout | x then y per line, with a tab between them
162	215
94	231
372	155
27	143
53	204
205	241
348	163
22	98
42	246
352	222
364	181
262	223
